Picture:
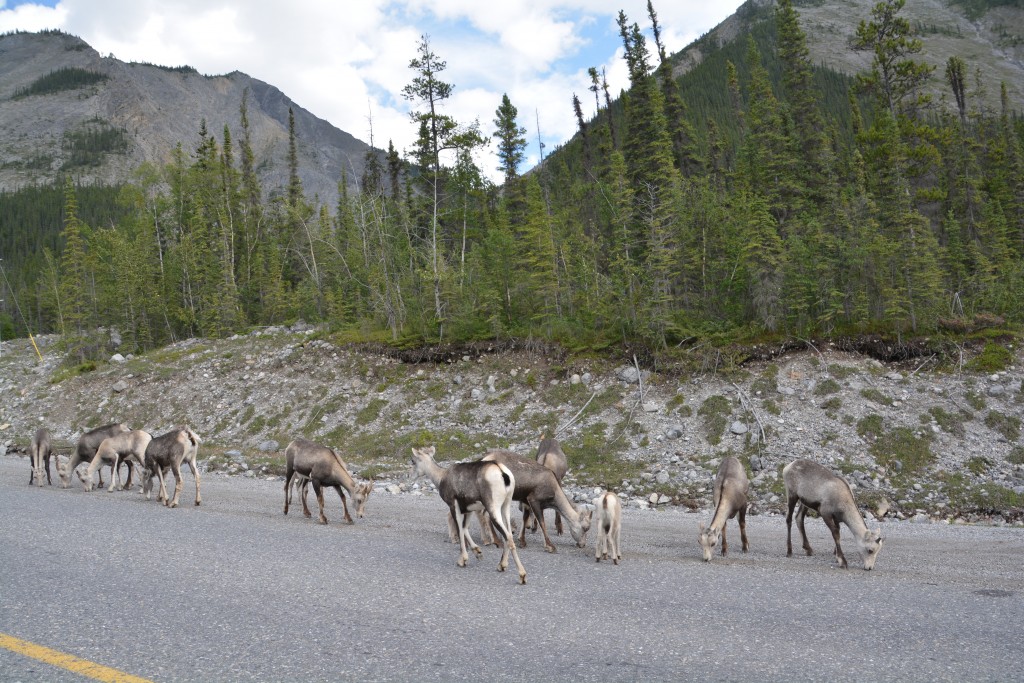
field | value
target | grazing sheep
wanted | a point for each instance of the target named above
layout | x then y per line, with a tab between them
817	488
731	487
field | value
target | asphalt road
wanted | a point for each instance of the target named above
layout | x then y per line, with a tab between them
236	591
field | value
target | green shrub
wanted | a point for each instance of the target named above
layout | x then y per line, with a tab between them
829	386
975	400
833	404
871	425
876	396
993	358
1016	456
949	422
978	465
904	445
841	371
715	410
370	412
1006	425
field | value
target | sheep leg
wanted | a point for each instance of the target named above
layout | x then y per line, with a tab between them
319	491
131	470
163	486
505	529
602	541
487	536
48	480
538	512
833	525
743	527
800	515
616	553
37	469
115	474
558	523
460	522
790	504
725	544
288	489
344	505
179	482
302	494
195	473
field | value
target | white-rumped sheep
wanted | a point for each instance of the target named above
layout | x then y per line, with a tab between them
538	489
486	485
424	465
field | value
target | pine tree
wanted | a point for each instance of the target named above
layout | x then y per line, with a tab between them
802	99
511	139
73	304
437	131
295	193
685	152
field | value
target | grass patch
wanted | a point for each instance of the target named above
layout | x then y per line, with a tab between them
993	358
596	462
67	373
772	407
870	426
767	383
715	410
1007	425
827	387
841	371
1016	456
951	423
833	404
876	396
902	444
978	465
675	402
370	412
987	498
975	400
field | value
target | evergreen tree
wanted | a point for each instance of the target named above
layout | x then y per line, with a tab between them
436	133
72	300
511	139
802	98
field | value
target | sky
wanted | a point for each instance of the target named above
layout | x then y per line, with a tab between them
347	61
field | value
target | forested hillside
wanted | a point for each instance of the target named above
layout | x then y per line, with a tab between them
756	196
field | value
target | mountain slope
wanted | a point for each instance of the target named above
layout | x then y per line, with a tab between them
142	111
989	39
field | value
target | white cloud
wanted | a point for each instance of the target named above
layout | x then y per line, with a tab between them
346	62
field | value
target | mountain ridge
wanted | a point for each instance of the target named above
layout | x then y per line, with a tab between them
156	107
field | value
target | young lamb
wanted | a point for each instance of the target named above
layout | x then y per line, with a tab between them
608	512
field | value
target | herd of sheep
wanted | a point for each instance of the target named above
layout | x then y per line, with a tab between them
487	486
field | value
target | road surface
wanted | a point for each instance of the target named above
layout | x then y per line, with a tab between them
236	591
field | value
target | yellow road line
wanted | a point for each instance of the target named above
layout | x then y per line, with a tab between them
68	662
